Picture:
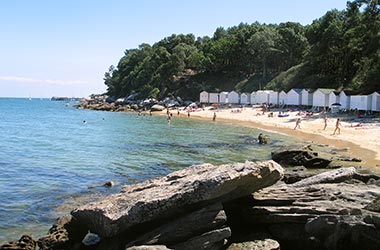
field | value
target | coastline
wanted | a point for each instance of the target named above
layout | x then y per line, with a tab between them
358	141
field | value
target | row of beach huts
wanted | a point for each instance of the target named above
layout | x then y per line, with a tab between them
317	98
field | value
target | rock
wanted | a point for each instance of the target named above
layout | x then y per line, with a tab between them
296	174
300	157
345	232
156	247
26	242
334	176
316	214
59	237
267	244
183	228
90	239
215	239
157	107
108	184
163	197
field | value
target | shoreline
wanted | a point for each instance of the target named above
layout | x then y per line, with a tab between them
356	141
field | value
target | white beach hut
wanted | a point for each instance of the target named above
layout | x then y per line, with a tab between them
273	97
223	97
282	98
375	101
321	97
360	102
253	97
245	98
306	97
343	99
333	98
204	97
214	97
233	97
293	97
261	96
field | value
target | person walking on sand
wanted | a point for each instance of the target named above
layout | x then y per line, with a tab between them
298	124
325	122
337	126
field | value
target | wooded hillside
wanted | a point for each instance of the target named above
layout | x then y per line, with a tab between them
339	50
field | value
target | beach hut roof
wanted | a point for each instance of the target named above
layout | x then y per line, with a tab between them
324	91
297	90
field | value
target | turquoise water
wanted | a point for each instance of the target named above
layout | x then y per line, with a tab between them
50	161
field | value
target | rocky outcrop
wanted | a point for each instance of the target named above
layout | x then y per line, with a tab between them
300	157
232	206
331	211
26	242
175	193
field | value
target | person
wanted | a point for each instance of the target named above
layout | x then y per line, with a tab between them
325	122
337	126
214	117
263	139
298	124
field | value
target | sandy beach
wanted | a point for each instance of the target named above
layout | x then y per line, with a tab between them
361	138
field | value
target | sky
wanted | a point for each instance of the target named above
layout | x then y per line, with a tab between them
63	48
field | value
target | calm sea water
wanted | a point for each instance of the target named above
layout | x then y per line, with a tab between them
50	161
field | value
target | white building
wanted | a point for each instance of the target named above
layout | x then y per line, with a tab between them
306	97
293	97
333	97
273	97
344	100
253	97
360	102
223	97
321	97
282	98
245	98
233	97
375	101
203	97
213	98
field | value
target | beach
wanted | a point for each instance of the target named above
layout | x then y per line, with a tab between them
359	137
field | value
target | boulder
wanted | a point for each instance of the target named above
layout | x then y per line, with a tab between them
26	242
155	247
157	107
326	211
183	190
266	244
183	228
300	157
213	240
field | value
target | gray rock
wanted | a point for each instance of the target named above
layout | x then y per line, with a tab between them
26	242
300	157
164	197
213	240
316	214
155	247
183	228
157	107
265	244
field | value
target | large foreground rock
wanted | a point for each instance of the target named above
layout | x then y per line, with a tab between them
176	193
334	210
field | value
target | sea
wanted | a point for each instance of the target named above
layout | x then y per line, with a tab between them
55	157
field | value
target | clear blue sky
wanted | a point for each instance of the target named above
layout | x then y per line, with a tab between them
62	48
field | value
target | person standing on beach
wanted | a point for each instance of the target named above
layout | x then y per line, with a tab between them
337	126
214	117
325	122
298	124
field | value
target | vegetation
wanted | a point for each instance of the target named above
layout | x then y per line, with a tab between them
339	50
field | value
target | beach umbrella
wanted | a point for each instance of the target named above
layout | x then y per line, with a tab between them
336	104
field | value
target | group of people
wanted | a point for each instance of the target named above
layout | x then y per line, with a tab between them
336	130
